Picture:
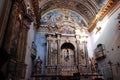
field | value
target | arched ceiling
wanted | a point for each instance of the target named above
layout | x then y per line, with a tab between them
88	9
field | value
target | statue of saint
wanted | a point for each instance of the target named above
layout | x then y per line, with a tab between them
94	65
38	66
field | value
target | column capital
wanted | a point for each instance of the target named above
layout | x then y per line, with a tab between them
49	41
77	41
58	36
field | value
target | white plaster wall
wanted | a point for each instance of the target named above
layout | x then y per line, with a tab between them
109	35
28	61
90	46
41	49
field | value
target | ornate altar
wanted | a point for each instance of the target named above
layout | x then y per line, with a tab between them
65	55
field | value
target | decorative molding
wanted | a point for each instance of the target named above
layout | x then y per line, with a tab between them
106	10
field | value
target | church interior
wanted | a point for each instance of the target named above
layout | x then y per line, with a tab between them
59	39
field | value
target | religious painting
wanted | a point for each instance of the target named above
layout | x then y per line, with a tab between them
59	18
60	15
66	30
67	57
66	54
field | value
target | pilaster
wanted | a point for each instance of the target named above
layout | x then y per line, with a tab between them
3	20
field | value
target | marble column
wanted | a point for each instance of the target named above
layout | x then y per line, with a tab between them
49	53
22	39
25	36
78	53
22	45
86	55
58	52
78	50
19	43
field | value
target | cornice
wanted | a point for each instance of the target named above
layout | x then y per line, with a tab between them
110	6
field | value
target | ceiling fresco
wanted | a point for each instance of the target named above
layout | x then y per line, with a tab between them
63	15
87	9
62	21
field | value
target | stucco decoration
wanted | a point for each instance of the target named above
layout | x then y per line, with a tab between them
61	20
